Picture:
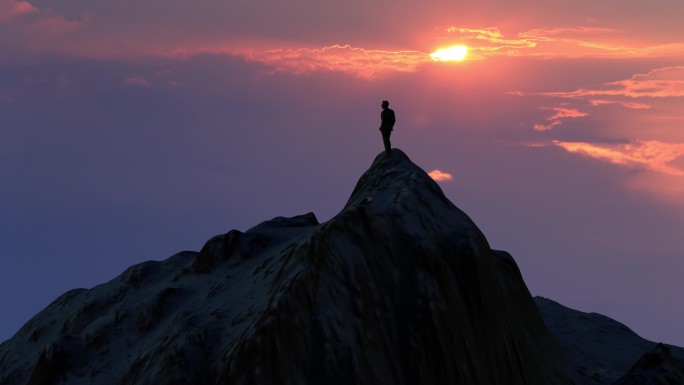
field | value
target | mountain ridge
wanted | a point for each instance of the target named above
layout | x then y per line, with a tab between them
400	287
599	349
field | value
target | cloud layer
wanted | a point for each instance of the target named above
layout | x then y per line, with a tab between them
651	155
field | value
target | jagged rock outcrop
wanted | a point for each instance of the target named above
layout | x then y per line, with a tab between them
400	287
599	349
656	367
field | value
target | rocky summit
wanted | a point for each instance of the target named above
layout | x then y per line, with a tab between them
398	288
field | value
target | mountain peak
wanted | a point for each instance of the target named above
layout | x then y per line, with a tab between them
392	176
396	192
400	287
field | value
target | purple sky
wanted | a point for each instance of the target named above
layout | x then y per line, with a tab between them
130	131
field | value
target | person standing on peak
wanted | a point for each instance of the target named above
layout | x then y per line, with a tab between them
387	120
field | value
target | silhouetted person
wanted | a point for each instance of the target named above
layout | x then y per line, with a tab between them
387	120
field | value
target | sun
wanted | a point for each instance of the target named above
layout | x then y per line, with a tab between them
455	53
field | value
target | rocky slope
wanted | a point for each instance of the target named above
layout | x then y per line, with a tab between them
599	349
400	287
656	367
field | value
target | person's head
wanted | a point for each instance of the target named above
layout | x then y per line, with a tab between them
384	104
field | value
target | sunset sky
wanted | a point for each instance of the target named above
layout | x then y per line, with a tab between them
132	130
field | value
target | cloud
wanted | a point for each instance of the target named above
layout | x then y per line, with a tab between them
557	118
666	82
546	127
42	31
630	105
10	9
561	42
440	176
644	91
136	80
547	33
484	42
651	155
562	112
365	63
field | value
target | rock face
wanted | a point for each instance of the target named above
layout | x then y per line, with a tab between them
400	287
656	367
599	349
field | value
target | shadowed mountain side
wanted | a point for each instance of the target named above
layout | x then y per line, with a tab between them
400	287
600	349
654	368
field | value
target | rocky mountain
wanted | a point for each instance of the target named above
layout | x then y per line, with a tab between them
656	367
398	288
601	350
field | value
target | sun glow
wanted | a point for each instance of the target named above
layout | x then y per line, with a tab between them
455	53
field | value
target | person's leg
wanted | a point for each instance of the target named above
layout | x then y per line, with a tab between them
386	140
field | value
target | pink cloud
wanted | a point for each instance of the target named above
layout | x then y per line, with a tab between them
562	112
42	31
136	80
10	9
489	41
361	62
660	89
651	155
557	118
52	25
664	82
440	176
630	105
541	33
546	127
560	42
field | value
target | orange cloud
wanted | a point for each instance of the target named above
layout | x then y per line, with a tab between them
630	105
542	33
546	127
648	88
11	8
483	42
345	58
565	113
564	42
651	155
659	83
440	176
556	119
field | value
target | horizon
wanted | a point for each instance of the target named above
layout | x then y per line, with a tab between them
130	136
